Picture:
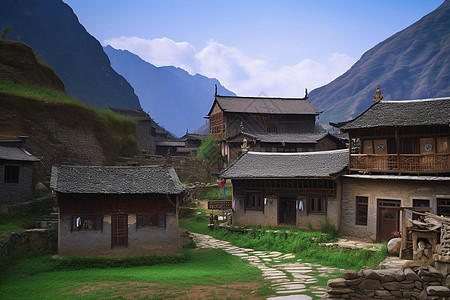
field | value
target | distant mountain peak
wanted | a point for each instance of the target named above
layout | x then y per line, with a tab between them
411	64
171	95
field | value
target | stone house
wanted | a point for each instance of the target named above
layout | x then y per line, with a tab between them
400	157
268	124
291	189
146	131
117	211
16	172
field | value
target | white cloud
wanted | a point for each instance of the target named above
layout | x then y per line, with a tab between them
242	74
160	52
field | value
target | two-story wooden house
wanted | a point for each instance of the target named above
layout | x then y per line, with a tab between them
399	157
267	124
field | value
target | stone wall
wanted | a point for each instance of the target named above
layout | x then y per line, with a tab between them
422	282
16	193
189	169
405	191
141	241
33	241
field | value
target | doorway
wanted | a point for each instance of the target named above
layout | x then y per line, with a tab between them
287	213
119	231
388	219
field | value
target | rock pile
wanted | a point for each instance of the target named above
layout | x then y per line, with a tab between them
424	282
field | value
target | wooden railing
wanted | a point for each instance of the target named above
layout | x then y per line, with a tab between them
404	162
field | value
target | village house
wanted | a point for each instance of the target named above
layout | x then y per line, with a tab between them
266	124
146	131
16	172
291	189
399	157
117	211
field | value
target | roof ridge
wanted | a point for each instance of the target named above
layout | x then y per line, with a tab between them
298	153
415	100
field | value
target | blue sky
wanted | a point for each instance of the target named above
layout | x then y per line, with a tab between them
276	47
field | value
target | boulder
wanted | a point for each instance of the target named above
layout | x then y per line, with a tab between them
394	246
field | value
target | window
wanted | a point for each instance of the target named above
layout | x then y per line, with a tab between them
254	201
443	207
272	128
419	203
11	174
361	210
151	220
317	205
85	223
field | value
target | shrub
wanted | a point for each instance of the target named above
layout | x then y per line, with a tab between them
208	150
329	229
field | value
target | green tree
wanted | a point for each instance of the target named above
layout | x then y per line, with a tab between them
208	150
5	33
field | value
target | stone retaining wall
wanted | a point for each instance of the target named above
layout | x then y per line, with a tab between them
424	282
33	241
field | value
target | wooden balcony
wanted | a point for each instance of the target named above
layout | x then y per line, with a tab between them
407	163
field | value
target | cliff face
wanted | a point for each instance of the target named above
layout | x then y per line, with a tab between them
53	31
412	64
60	132
19	64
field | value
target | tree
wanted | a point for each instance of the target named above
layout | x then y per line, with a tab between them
5	33
208	150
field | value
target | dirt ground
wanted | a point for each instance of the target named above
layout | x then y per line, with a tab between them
141	290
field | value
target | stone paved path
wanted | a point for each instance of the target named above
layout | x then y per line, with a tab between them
286	278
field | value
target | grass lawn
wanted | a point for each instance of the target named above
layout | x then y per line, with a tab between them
209	273
299	242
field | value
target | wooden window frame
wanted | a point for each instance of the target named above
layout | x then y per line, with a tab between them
272	127
97	222
255	204
317	205
152	220
440	206
361	202
11	174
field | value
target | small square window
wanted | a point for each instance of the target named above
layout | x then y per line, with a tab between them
154	220
85	223
11	174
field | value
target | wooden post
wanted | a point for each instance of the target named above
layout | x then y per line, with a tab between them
349	149
397	141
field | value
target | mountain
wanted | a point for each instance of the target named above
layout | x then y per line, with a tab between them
52	29
171	95
412	64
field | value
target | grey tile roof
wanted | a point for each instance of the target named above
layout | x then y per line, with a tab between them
294	138
16	154
265	165
403	113
398	177
115	180
265	105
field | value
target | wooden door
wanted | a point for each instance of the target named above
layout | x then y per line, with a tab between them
287	211
119	232
388	219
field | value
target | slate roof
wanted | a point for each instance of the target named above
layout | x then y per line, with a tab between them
16	154
265	105
267	165
115	180
293	138
403	113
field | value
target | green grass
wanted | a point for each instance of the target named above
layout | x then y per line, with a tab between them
38	278
50	95
298	242
213	194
